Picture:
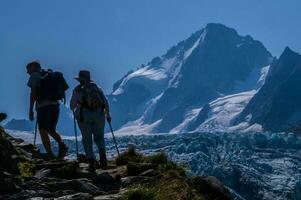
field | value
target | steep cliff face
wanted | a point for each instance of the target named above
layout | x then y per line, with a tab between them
212	62
277	105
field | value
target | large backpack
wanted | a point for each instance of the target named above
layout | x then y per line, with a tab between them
52	86
92	98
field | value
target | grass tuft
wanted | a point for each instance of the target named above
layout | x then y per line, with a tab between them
26	169
140	193
130	155
157	159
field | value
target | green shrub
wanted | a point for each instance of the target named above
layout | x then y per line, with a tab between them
173	168
140	193
130	155
157	159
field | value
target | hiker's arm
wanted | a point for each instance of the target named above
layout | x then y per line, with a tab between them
107	107
106	103
31	103
73	101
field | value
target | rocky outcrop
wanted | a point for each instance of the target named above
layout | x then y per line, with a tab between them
24	174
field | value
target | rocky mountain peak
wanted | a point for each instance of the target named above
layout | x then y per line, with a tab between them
212	62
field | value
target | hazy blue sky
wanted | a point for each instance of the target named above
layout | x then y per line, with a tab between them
110	37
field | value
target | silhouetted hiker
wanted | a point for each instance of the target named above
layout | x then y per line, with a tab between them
90	108
2	116
45	98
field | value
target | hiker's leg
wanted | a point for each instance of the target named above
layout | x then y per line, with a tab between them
98	133
86	130
56	136
45	140
54	112
43	119
63	149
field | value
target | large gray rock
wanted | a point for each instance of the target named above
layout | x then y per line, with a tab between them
77	196
211	187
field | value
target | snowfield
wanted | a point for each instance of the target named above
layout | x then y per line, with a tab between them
222	111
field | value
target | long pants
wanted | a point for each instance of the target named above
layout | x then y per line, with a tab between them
92	125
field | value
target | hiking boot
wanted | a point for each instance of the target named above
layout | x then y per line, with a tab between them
62	151
92	165
103	163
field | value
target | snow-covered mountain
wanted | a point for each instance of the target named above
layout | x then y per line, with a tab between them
199	84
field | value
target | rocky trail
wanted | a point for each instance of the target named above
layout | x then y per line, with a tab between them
24	174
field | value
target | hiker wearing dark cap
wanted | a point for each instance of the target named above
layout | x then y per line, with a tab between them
47	108
2	116
91	108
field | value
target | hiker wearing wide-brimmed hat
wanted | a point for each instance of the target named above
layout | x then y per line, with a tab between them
91	108
83	76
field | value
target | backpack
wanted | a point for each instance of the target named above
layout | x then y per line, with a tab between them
52	86
92	98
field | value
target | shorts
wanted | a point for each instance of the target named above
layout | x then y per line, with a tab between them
47	117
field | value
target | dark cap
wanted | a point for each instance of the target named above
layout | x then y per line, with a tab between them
83	75
35	64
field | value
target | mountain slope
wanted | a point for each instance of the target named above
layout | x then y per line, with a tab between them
211	63
277	105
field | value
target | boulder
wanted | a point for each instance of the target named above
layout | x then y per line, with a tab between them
103	178
77	196
210	187
134	169
131	180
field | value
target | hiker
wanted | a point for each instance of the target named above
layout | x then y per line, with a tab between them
2	116
91	108
47	107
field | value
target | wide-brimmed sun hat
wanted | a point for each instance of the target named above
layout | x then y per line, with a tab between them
83	75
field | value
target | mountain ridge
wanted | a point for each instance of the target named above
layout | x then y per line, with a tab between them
162	91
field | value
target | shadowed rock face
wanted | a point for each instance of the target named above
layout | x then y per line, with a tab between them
8	154
211	62
277	105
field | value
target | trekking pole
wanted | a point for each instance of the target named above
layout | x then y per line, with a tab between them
35	133
114	138
75	132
